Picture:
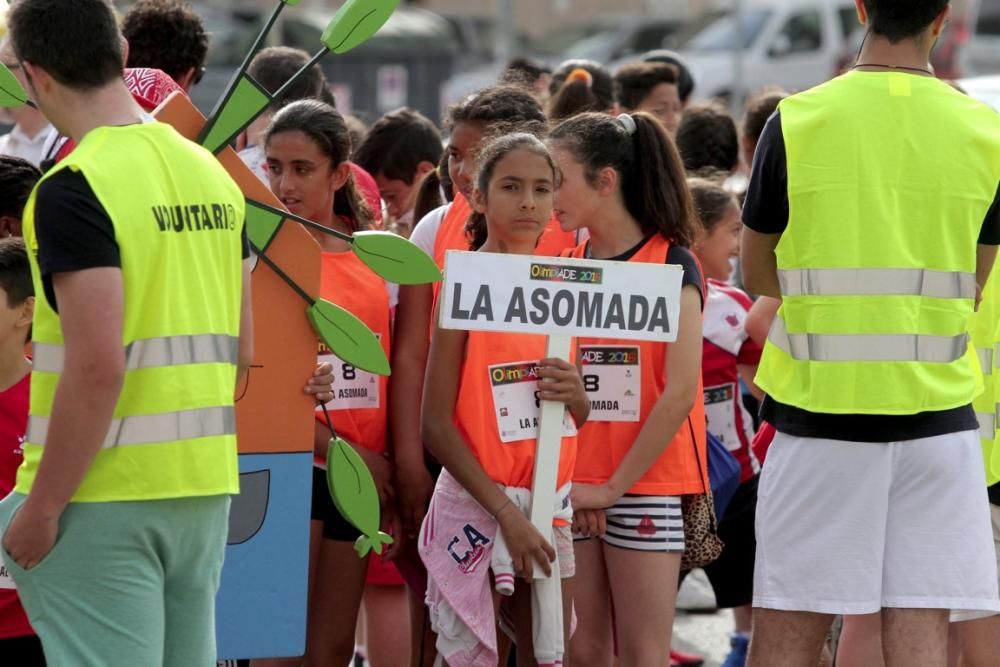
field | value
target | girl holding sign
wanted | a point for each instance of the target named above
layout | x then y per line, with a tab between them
471	123
486	441
645	446
307	147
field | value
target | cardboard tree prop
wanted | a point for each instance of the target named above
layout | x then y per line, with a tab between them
262	599
560	298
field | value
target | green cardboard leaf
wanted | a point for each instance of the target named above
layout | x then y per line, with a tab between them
348	337
353	491
263	223
394	258
291	3
356	22
11	92
246	101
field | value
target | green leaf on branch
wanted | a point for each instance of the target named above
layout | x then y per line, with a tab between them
353	491
394	258
348	337
246	102
263	223
356	22
11	92
291	3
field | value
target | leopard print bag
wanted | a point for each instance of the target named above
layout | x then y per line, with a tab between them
702	544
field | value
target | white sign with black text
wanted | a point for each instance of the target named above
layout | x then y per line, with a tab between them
561	296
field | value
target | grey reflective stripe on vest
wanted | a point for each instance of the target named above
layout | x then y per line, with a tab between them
878	282
152	429
987	425
153	352
868	347
985	355
179	350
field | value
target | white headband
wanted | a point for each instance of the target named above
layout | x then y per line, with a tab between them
628	123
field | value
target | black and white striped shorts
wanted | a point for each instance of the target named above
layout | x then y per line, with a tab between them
646	523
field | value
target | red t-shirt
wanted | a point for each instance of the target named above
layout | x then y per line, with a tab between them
726	345
368	189
13	424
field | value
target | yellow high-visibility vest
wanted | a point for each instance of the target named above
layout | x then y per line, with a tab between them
890	177
177	218
985	332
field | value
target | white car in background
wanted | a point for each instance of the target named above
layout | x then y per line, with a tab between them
794	44
986	89
981	54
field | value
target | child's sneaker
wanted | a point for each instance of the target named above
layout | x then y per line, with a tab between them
739	644
678	659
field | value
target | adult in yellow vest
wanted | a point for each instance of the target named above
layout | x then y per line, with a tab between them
872	214
116	530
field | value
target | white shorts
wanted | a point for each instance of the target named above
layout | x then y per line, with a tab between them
853	527
959	616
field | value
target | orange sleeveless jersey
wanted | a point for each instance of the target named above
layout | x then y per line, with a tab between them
603	444
507	463
347	282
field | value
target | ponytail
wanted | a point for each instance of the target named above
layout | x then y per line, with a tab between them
652	176
580	86
350	204
434	191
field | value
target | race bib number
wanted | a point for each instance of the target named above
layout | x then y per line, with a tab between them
720	410
516	403
353	388
613	380
6	581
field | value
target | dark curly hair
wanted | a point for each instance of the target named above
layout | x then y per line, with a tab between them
18	178
571	96
166	35
503	104
707	138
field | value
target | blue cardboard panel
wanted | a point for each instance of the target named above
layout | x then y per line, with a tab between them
261	606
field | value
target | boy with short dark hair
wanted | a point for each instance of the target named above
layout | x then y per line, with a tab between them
18	642
650	87
399	149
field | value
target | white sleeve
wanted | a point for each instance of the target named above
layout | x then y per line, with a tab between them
425	233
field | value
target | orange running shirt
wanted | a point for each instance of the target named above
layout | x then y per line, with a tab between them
359	410
497	412
625	368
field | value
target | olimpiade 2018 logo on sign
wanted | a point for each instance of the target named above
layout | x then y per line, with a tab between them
567	274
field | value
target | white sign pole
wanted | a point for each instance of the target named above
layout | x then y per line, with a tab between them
547	450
